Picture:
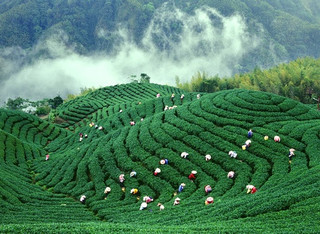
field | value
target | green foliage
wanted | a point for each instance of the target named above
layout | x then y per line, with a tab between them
83	91
298	80
14	104
144	78
291	29
38	194
43	110
55	102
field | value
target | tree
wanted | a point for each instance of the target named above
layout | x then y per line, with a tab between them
15	104
144	78
43	110
55	102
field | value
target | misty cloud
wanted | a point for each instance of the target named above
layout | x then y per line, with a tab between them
205	41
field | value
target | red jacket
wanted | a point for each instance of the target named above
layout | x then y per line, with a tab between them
253	190
192	177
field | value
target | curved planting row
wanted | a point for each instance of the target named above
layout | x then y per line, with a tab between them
22	141
29	128
96	105
90	159
214	125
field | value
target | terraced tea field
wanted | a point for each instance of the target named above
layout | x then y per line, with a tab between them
39	195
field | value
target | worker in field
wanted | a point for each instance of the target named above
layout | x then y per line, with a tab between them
143	205
207	189
172	97
276	139
107	190
184	155
100	128
157	171
132	123
164	161
198	96
291	154
207	157
250	133
266	138
192	175
166	108
181	187
176	201
247	143
233	154
80	136
181	98
133	174
83	199
47	157
251	189
231	174
161	206
121	180
209	200
158	95
134	191
147	199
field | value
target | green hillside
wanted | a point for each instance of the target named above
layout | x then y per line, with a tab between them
38	195
287	29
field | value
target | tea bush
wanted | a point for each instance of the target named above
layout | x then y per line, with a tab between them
38	194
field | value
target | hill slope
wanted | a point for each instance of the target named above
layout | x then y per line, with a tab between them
34	190
286	29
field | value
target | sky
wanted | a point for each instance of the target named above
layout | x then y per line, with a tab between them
205	41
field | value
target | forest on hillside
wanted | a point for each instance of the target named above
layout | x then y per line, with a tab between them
298	80
285	29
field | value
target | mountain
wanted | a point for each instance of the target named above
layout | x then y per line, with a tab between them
282	30
40	195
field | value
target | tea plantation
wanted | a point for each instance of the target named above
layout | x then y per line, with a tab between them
124	128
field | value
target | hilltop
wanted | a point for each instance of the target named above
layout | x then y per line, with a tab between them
43	196
286	29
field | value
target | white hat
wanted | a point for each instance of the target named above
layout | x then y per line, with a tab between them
158	170
108	189
132	190
249	186
210	199
177	199
194	172
162	161
145	198
143	205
